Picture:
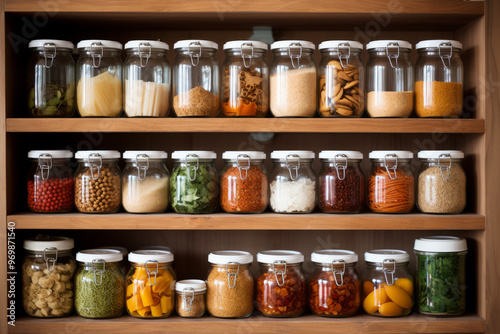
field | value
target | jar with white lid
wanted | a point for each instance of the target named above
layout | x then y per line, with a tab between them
341	79
196	78
387	283
123	263
292	184
191	296
51	78
146	75
389	76
99	78
293	79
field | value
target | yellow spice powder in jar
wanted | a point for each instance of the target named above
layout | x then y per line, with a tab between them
438	99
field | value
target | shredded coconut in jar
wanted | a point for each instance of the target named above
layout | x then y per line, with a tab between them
293	196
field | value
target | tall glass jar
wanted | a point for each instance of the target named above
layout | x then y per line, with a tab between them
293	182
48	270
439	76
99	77
50	181
387	283
51	78
97	182
245	81
389	77
145	182
341	79
191	298
146	76
293	79
196	78
391	186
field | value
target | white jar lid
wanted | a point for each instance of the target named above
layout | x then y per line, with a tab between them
141	256
287	43
434	154
224	257
253	155
382	154
39	43
132	155
196	284
330	255
122	250
204	44
55	154
355	155
105	154
181	155
435	43
154	44
105	44
383	43
335	44
238	44
379	255
107	255
283	154
288	256
441	244
39	243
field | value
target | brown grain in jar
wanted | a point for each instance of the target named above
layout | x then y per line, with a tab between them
190	301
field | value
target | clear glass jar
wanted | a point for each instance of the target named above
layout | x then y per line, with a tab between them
51	78
191	298
441	182
48	269
293	79
292	184
97	182
230	284
244	187
281	286
439	76
391	186
99	77
50	181
99	284
341	182
146	76
387	283
145	182
441	275
335	286
389	77
150	284
194	182
341	79
196	78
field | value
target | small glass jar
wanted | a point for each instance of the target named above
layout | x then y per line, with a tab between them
389	76
387	283
196	78
335	286
150	284
191	296
391	186
145	182
439	76
50	181
292	184
97	182
51	78
99	284
99	77
281	286
245	82
244	182
441	275
230	284
341	182
48	269
293	79
341	79
146	75
194	182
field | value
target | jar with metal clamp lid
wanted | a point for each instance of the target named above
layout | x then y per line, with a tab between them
191	295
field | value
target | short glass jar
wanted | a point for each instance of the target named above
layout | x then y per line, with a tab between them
191	296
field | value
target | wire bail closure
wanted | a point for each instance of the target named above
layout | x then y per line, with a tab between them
446	58
145	54
340	168
344	56
233	275
187	298
142	165
151	272
394	168
443	167
391	55
50	260
97	270
242	167
93	48
389	268
196	56
193	168
338	273
245	57
95	162
49	54
45	164
298	56
293	167
280	272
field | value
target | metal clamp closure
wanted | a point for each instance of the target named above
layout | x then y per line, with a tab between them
95	163
196	56
293	167
446	58
142	161
389	268
340	168
297	56
49	52
193	168
338	274
187	298
394	168
278	273
343	54
97	52
233	275
97	270
247	56
144	54
445	168
50	260
391	55
45	164
243	167
151	272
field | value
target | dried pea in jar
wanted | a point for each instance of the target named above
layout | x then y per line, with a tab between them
191	295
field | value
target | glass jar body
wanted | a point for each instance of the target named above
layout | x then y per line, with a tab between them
191	306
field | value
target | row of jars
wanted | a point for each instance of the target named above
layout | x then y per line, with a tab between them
95	284
293	86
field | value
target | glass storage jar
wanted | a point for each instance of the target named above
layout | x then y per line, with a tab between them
196	78
99	284
391	186
441	275
99	76
51	78
50	181
341	79
230	284
245	82
341	182
191	296
244	182
150	284
293	79
97	182
389	76
145	182
48	268
439	76
146	76
281	286
388	284
293	182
